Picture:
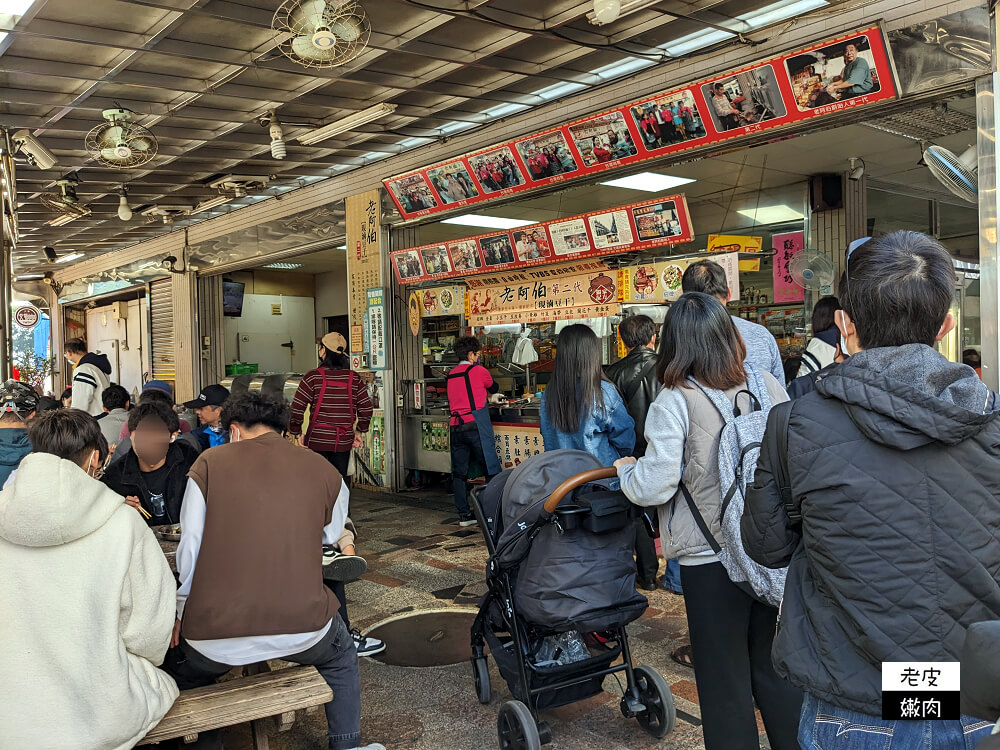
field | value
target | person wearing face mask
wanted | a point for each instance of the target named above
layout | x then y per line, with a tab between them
153	473
78	660
90	377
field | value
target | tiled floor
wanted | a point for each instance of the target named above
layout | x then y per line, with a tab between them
419	559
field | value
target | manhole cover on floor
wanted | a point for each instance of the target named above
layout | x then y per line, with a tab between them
428	638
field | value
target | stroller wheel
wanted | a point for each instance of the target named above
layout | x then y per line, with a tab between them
660	715
516	728
481	673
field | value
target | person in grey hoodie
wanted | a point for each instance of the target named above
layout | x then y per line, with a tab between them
888	510
90	377
731	632
18	402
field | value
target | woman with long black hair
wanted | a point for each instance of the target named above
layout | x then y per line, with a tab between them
339	406
581	408
731	631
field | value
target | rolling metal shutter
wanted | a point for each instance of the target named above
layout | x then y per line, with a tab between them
162	330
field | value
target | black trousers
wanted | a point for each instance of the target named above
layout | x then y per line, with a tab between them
731	637
646	562
340	461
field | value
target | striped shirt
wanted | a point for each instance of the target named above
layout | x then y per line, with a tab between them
332	423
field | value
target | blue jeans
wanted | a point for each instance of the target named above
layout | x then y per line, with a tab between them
672	576
824	726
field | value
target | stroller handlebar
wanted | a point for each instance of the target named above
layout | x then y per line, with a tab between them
576	481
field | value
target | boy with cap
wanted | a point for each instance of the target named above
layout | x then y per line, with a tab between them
208	407
18	402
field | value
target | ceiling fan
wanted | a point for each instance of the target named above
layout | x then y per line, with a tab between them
65	202
321	33
119	142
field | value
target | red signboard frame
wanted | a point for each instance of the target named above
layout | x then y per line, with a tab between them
773	87
653	223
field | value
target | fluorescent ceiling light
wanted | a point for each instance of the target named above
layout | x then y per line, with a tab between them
15	7
69	258
211	203
454	127
62	220
504	109
779	12
695	41
351	122
650	182
29	277
414	141
284	266
489	222
341	247
559	89
771	214
623	67
628	6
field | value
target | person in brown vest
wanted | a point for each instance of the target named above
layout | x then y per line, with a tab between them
251	584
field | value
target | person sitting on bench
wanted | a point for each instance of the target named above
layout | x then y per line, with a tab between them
251	583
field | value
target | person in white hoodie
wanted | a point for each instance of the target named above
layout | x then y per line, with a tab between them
822	348
89	601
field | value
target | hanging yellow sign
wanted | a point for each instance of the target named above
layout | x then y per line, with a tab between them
661	281
735	243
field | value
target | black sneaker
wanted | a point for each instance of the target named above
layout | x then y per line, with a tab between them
366	645
341	567
467	520
645	585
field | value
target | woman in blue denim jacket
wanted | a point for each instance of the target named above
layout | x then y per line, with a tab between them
581	409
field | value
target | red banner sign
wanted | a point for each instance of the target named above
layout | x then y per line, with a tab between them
655	223
850	71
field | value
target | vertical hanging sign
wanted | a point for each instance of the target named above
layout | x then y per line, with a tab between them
364	258
376	329
786	247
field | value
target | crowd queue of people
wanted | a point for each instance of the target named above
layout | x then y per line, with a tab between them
97	602
872	517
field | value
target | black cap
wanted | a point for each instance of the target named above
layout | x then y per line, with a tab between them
212	395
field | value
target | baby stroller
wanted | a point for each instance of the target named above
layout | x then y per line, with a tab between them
560	543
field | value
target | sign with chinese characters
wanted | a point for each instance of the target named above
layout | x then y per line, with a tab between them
364	258
786	247
377	453
27	316
824	79
516	442
656	223
376	329
441	300
661	281
571	296
921	690
735	243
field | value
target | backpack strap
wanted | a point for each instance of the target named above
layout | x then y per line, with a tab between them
777	443
699	519
640	380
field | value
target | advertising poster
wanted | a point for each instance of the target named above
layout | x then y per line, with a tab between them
452	183
787	246
655	223
735	243
465	255
661	281
377	357
364	254
442	300
852	70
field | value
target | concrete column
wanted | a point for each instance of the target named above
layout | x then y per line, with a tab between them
989	259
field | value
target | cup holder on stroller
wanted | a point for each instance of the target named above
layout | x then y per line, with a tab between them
571	515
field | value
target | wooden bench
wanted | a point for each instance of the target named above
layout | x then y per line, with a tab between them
253	699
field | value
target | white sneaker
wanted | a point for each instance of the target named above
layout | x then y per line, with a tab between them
367	646
373	746
341	567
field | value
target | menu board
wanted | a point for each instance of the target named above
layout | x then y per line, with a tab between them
850	71
661	281
654	223
364	260
441	300
516	443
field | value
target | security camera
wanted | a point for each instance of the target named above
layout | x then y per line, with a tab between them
50	254
33	149
857	171
169	262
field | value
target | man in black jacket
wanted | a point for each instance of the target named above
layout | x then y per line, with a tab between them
635	377
893	464
153	474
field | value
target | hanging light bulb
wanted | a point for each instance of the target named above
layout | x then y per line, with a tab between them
124	210
607	11
278	150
